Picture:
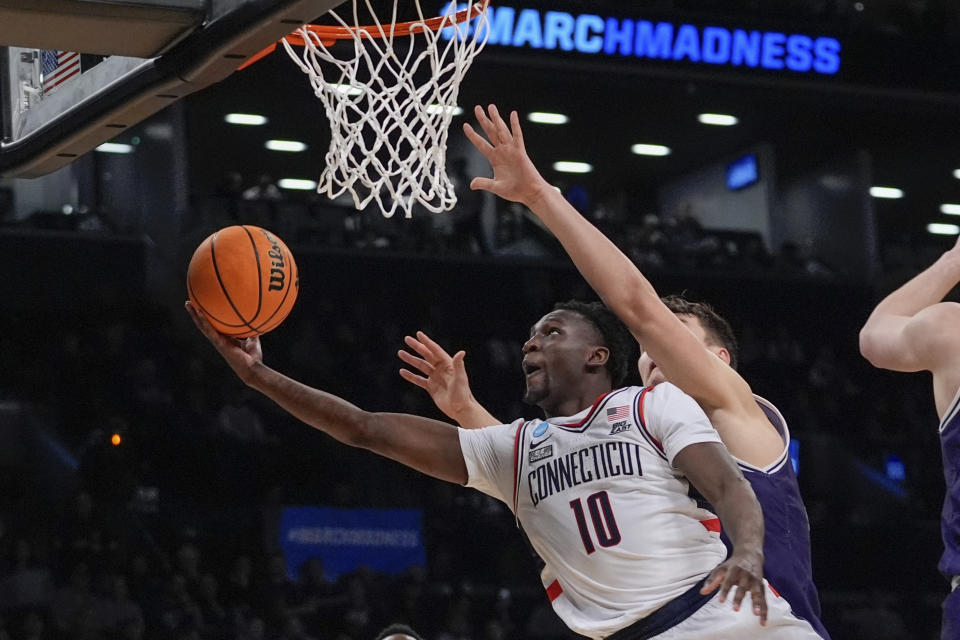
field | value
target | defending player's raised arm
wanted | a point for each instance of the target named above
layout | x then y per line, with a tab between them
898	332
912	330
429	446
445	379
617	281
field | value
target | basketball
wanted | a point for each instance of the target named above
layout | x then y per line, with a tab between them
244	280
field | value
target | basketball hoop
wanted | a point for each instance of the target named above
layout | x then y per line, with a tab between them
389	100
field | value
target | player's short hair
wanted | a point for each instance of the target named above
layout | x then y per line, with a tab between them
615	335
718	330
396	629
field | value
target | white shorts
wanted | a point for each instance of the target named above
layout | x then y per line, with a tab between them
718	621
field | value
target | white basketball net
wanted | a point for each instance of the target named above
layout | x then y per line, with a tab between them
390	104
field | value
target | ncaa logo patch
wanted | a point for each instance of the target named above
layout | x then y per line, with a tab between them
541	429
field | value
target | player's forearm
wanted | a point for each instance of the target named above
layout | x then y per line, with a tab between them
927	288
742	518
608	271
325	412
429	446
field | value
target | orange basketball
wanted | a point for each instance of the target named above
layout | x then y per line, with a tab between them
244	280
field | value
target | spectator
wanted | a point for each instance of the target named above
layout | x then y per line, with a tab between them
118	611
74	605
28	584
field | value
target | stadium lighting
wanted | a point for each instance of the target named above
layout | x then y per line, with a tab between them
940	229
886	192
115	147
956	174
950	209
718	119
544	117
249	119
285	145
566	166
650	150
297	184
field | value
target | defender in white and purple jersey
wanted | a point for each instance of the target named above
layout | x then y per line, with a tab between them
912	329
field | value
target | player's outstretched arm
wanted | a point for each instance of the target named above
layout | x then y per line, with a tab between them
713	472
912	330
617	281
625	290
445	379
429	446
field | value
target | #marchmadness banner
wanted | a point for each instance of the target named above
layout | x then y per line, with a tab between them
385	540
661	41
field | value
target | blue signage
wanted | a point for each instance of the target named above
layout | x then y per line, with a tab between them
742	172
385	540
592	34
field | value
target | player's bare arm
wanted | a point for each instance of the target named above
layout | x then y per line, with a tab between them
445	379
912	330
721	392
429	446
713	472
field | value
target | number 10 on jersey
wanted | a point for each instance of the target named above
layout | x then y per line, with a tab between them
601	516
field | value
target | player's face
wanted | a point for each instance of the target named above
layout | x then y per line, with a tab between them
650	373
555	355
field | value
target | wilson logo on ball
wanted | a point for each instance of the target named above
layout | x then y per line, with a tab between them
277	274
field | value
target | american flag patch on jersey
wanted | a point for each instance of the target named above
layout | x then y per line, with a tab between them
618	413
56	67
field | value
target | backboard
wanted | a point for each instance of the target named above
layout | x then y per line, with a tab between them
73	74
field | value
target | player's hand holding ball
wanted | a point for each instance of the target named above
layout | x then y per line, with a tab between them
242	282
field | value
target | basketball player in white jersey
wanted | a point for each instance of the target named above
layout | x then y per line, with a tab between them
600	487
913	329
684	342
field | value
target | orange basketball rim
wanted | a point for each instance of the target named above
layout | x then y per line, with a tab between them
329	34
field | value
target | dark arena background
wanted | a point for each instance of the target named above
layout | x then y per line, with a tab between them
146	493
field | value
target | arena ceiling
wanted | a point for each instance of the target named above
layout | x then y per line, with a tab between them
898	100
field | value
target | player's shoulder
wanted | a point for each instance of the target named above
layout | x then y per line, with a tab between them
661	390
507	431
663	397
665	390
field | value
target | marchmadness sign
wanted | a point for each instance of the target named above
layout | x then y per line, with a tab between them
713	45
385	540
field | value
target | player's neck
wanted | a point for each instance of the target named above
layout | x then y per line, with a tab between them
574	403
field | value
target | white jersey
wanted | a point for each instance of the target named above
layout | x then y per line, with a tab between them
602	504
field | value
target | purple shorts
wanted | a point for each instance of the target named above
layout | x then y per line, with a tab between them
951	616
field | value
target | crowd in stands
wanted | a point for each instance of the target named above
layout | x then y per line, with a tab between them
483	225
